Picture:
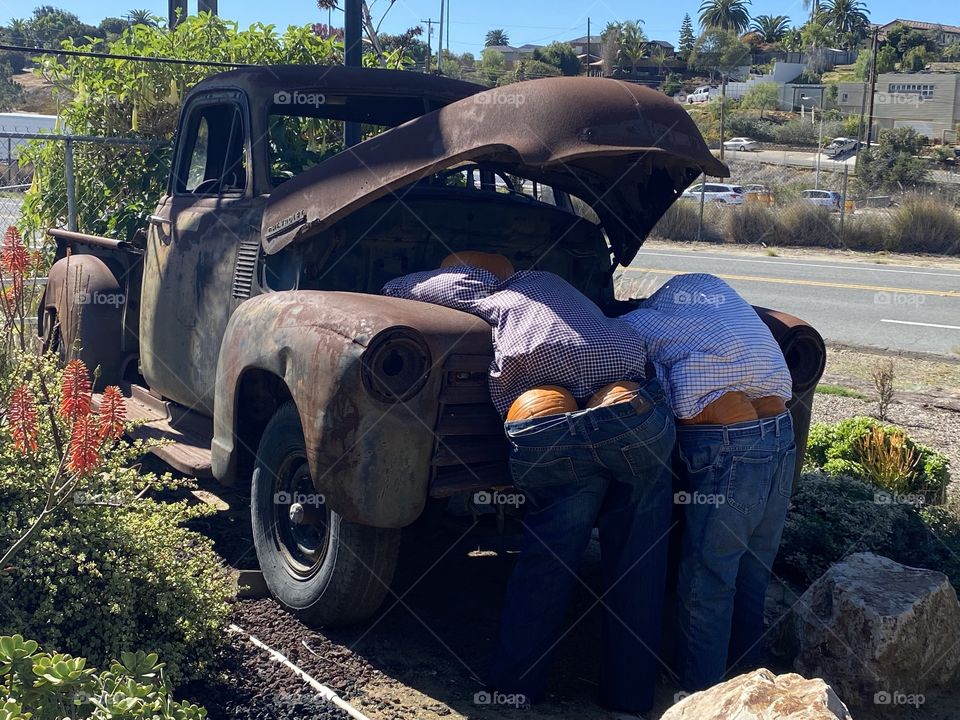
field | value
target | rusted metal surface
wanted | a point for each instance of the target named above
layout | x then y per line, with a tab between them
806	356
371	460
69	237
626	150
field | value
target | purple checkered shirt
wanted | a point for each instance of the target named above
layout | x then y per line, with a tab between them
545	332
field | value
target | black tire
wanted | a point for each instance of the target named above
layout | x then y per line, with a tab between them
743	148
327	571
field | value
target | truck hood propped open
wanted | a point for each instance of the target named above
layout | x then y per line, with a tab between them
627	150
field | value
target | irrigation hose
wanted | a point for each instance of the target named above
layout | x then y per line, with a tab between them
326	693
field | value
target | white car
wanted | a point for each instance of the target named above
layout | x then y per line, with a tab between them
742	144
716	192
701	94
825	198
839	146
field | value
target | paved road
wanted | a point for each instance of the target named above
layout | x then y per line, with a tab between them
887	306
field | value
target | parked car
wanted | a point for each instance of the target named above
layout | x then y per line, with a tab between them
701	94
246	323
839	146
742	144
826	198
717	192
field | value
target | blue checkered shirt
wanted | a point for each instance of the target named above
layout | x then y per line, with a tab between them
706	340
545	332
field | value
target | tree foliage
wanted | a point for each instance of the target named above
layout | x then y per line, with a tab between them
848	19
730	15
893	164
118	187
496	38
771	28
718	51
687	37
560	55
761	96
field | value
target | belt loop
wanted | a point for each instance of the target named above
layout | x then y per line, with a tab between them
571	425
726	436
593	421
776	425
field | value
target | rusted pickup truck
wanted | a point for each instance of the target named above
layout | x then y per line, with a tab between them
246	323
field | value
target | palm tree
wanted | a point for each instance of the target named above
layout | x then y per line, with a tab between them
770	28
497	37
848	18
725	15
633	43
142	17
659	56
792	40
18	30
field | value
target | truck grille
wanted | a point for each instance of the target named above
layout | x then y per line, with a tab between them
470	449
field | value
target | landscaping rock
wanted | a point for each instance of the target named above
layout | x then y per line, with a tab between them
761	695
872	627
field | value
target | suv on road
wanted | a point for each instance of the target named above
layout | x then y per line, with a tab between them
716	192
824	198
246	323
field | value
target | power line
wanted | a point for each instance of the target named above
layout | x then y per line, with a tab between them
109	56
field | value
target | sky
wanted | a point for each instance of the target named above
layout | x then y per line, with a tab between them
526	21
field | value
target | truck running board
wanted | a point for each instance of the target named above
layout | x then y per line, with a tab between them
188	433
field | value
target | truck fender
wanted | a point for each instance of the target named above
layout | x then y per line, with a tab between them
371	460
86	299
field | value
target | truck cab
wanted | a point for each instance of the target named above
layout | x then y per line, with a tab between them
248	328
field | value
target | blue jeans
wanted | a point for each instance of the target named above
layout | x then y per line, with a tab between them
609	468
736	482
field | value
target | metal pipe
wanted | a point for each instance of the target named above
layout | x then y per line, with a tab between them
352	56
69	170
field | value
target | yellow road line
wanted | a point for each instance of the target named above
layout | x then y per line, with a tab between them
813	283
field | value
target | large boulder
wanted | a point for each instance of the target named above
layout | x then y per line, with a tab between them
872	627
761	695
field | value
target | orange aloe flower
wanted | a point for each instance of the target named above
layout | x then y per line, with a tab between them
22	416
84	445
113	413
14	257
76	398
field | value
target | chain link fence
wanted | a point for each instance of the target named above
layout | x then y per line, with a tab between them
64	195
795	197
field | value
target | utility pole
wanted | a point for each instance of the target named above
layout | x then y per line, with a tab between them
429	22
176	12
209	6
723	102
352	56
589	54
440	44
873	83
448	27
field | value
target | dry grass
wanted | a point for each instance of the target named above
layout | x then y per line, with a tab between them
808	225
751	224
922	224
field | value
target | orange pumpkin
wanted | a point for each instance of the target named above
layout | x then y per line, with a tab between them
542	401
492	262
616	392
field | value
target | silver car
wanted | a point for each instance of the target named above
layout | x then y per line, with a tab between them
824	198
716	192
742	144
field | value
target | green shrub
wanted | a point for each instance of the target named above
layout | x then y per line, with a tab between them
845	448
923	224
751	224
796	132
749	126
833	516
45	686
808	225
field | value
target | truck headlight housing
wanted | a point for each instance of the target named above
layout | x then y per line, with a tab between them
396	364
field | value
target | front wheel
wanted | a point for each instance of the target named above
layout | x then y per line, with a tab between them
325	569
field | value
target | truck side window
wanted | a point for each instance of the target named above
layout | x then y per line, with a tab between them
215	159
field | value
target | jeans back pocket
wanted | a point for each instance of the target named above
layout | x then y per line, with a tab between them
748	482
788	466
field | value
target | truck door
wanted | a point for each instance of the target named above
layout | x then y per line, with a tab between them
196	233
